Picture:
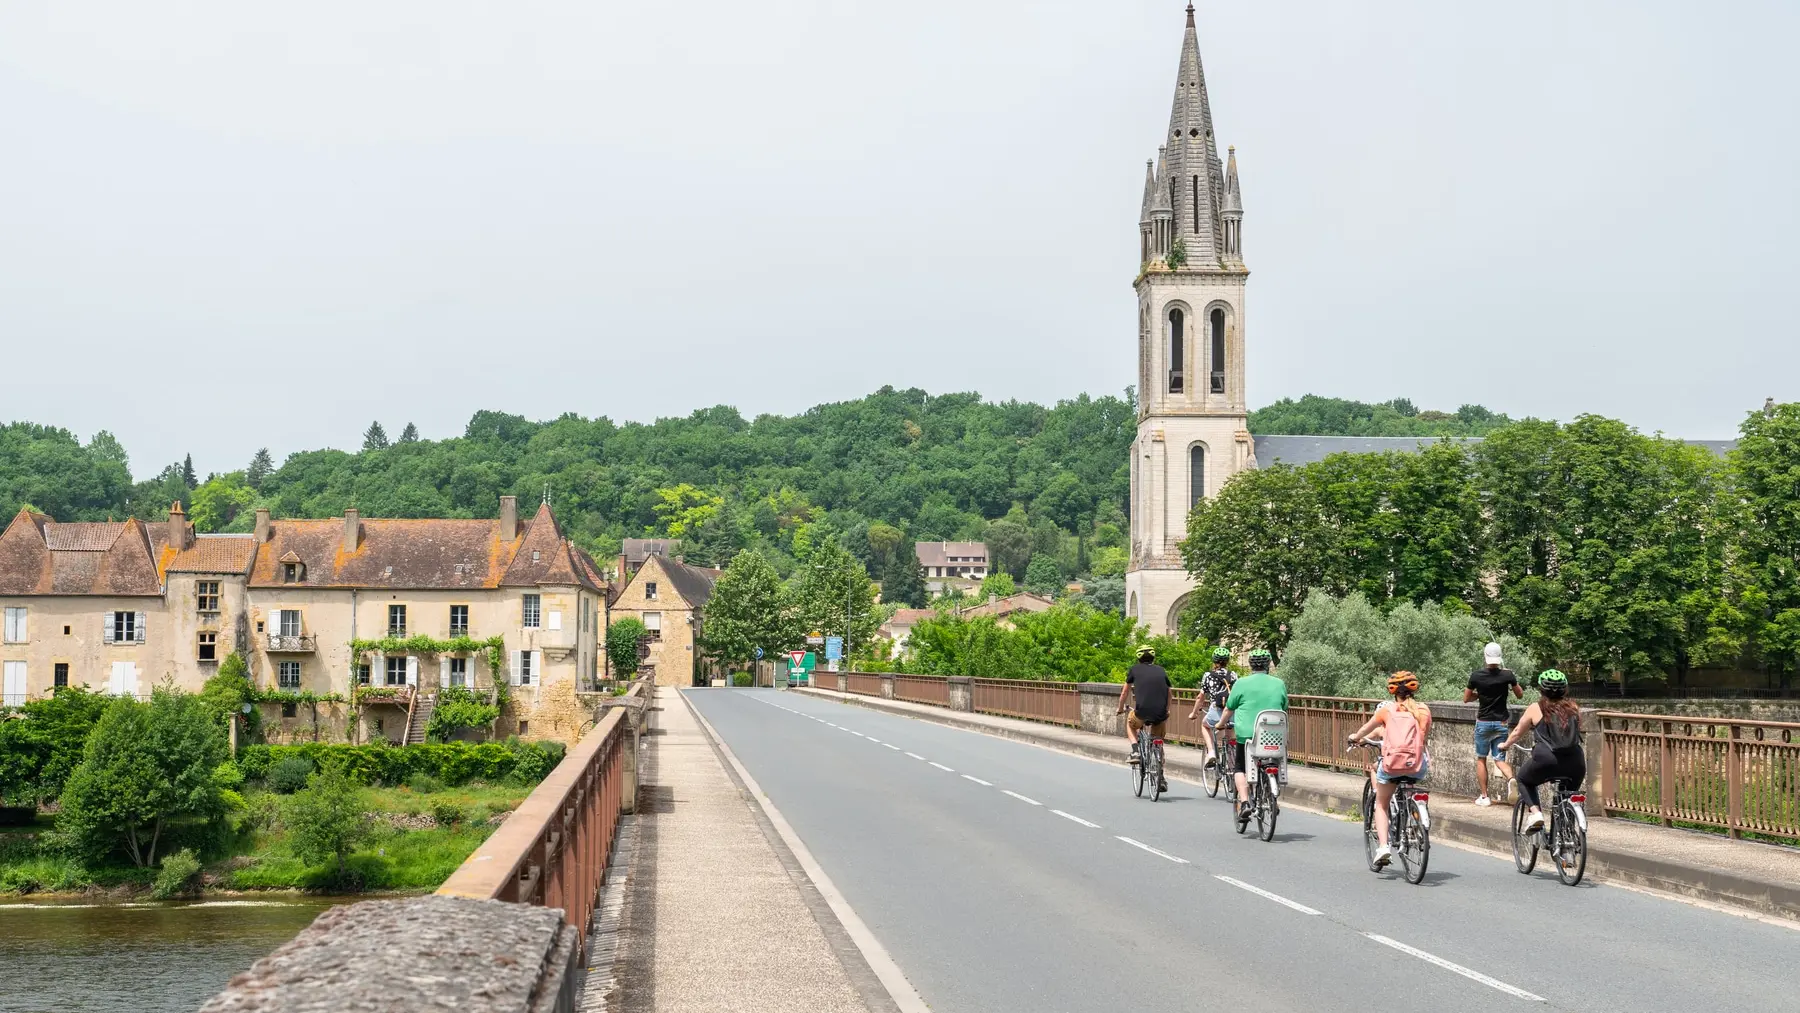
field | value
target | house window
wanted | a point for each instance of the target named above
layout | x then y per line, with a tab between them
362	675
292	572
287	622
1218	351
60	675
459	620
15	625
290	709
533	611
1196	474
524	728
209	647
1177	343
650	590
287	675
653	625
206	595
125	628
525	672
396	671
396	621
459	671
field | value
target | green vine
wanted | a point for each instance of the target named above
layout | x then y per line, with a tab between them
295	696
494	649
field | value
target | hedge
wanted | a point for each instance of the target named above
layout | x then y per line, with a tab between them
450	762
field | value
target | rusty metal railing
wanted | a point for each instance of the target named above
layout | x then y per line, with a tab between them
1317	726
1058	703
932	689
554	847
1740	776
862	683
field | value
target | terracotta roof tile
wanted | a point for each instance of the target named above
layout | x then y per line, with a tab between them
38	556
90	536
215	554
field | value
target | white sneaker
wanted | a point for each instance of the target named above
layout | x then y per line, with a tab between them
1383	856
1483	801
1535	823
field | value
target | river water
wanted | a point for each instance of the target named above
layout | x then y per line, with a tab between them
141	958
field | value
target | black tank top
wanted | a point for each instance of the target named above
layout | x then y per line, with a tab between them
1556	734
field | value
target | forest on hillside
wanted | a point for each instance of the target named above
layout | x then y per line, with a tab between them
1031	480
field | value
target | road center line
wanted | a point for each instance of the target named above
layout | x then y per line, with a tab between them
1457	968
940	766
1153	851
875	740
915	756
977	780
1266	895
1014	794
890	745
1071	816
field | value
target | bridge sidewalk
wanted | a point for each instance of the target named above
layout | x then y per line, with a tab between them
1746	875
718	918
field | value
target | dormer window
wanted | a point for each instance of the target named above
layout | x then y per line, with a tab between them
292	573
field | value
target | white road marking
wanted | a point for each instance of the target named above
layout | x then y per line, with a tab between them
829	724
915	756
890	745
1072	816
940	766
977	780
875	740
1014	794
1153	851
1260	892
1457	968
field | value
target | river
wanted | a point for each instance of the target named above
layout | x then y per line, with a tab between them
142	958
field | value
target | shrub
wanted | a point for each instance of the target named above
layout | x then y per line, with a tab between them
326	820
289	774
1346	646
741	679
458	709
424	783
447	813
180	875
450	762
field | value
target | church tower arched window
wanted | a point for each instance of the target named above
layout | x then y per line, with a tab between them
1196	475
1218	350
1177	343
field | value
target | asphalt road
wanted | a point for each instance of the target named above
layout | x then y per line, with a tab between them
1002	877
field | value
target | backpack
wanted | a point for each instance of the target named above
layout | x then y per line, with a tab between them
1403	742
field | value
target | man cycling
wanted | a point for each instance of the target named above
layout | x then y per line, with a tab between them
1254	693
1215	689
1148	684
1556	753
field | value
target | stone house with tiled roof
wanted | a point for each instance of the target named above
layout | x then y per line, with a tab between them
143	603
669	597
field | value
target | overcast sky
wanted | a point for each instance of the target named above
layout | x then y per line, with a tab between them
229	225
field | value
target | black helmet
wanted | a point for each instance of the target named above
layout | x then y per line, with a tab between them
1260	660
1221	653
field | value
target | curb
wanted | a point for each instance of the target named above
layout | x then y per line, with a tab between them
1704	883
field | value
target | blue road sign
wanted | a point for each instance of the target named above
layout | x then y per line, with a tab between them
834	648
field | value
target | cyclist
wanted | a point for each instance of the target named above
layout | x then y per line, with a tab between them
1405	725
1489	686
1254	693
1215	689
1148	685
1556	752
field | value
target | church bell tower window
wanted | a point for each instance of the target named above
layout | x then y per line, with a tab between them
1218	351
1177	339
1196	475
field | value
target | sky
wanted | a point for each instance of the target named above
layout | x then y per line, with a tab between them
226	226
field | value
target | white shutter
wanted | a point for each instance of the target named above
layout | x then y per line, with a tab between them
517	657
24	623
141	617
537	667
555	621
106	628
443	673
412	670
115	683
131	679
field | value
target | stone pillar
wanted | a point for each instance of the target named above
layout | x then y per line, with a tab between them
962	697
1100	708
887	687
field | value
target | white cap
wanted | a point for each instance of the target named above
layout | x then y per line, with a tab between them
1492	653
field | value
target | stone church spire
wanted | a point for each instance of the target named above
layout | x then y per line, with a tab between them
1194	173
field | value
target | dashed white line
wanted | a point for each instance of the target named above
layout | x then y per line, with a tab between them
940	766
890	745
1072	816
1266	895
1014	794
1457	968
977	780
915	756
1153	851
875	740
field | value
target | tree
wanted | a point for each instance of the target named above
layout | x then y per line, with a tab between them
684	509
903	579
1347	646
748	610
998	585
225	694
1043	576
326	820
375	437
410	434
260	467
884	539
1313	415
1256	549
830	582
1765	474
40	749
222	500
187	472
622	639
1009	545
1105	593
147	768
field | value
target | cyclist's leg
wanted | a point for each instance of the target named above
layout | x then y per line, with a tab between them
1237	772
1206	733
1158	732
1132	727
1384	796
1534	772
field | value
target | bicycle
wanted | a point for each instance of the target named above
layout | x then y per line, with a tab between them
1265	798
1216	776
1149	765
1409	822
1564	834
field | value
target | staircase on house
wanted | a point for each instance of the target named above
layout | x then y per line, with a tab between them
421	718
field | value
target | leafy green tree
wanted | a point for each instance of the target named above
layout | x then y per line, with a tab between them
375	437
326	820
1043	576
222	500
832	593
999	584
410	434
682	509
49	470
1105	593
260	467
884	539
748	609
41	748
1256	549
622	639
187	472
1009	545
1347	646
146	768
1313	415
903	579
459	709
225	694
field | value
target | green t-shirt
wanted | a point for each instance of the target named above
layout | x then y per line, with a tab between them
1250	696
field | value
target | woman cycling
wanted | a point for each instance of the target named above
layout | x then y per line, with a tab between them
1556	753
1397	742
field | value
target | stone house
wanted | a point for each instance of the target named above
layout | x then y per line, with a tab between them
947	565
669	597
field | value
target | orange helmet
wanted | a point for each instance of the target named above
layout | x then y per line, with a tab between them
1403	680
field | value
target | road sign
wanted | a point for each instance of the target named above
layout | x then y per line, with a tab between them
815	639
758	654
834	648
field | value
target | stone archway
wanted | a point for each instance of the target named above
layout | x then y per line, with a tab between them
1175	611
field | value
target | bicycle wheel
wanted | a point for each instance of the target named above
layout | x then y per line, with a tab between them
1368	810
1213	777
1137	774
1268	806
1525	849
1415	844
1570	851
1156	782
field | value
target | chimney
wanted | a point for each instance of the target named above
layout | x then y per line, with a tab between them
262	525
179	533
509	518
352	529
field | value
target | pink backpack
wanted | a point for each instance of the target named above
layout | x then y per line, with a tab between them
1403	742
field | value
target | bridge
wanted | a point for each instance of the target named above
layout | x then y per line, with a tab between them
882	842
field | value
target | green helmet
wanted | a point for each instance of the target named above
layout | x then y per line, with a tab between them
1260	660
1553	681
1221	654
1146	653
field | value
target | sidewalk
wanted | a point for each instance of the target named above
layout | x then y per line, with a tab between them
716	918
1744	874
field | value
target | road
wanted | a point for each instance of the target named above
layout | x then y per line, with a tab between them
1002	877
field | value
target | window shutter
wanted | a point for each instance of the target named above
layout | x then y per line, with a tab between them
106	626
443	673
412	670
537	668
555	621
518	657
140	627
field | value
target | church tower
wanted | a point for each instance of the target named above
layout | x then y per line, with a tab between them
1192	431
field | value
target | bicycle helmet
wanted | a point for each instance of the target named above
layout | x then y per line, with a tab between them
1553	683
1146	653
1403	680
1260	660
1221	654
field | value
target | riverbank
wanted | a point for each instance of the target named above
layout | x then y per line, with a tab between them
419	838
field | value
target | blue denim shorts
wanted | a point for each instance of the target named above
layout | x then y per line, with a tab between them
1213	714
1383	777
1488	736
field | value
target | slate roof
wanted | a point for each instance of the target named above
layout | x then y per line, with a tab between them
1298	450
693	583
636	550
939	553
38	555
